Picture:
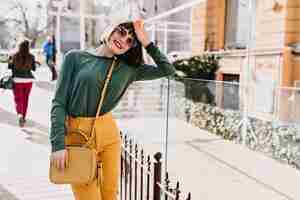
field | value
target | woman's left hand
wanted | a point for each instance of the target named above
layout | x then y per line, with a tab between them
141	32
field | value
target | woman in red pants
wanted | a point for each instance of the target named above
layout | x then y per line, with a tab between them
22	64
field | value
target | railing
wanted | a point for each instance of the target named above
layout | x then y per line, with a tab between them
141	176
272	123
273	114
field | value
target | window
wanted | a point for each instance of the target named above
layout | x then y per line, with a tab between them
237	24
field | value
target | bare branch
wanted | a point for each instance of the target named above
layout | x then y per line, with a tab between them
22	9
30	27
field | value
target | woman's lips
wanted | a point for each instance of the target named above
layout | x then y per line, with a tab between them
118	44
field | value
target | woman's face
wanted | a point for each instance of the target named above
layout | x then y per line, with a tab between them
121	40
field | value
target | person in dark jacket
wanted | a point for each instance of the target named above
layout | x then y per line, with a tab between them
49	50
78	91
22	63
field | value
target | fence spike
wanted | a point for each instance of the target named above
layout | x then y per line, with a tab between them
136	149
167	178
189	196
142	156
177	185
157	156
148	163
130	146
177	191
126	138
167	182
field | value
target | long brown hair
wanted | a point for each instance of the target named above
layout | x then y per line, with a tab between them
23	59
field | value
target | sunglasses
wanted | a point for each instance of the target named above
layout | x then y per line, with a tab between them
123	32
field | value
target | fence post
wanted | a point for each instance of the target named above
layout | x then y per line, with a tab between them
122	169
157	176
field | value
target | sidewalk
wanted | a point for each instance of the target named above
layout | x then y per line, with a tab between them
212	168
24	164
207	166
24	152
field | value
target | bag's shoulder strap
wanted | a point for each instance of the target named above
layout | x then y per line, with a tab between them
108	77
103	92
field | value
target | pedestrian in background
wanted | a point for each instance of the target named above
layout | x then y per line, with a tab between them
49	51
54	49
77	96
22	63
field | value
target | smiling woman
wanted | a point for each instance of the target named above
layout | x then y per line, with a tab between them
77	96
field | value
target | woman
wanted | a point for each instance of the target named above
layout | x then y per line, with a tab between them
78	91
22	64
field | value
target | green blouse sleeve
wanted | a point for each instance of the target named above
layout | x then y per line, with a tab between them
150	72
59	103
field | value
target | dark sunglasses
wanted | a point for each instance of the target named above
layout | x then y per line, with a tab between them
131	40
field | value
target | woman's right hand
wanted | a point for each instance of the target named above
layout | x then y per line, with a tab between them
141	32
59	159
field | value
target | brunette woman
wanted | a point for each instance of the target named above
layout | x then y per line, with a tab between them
22	63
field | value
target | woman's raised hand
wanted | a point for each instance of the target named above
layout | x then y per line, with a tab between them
141	32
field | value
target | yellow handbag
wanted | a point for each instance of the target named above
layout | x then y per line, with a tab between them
82	160
81	168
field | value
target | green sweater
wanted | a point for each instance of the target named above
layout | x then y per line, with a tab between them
81	77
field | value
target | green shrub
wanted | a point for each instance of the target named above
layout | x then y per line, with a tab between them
196	66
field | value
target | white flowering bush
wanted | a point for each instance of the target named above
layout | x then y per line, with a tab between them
281	142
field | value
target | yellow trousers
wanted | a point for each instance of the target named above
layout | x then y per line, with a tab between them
108	146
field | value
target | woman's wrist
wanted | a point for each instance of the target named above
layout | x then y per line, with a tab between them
149	46
145	43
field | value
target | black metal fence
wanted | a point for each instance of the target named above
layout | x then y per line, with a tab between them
141	176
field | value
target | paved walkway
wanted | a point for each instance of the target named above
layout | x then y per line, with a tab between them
208	166
24	152
214	169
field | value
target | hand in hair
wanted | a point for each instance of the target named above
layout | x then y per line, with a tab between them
141	33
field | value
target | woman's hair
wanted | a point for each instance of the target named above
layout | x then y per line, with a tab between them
134	56
23	59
